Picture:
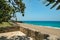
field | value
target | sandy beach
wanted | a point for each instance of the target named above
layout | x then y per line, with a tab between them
43	30
54	34
13	34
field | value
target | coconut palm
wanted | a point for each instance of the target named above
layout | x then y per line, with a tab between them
56	2
50	2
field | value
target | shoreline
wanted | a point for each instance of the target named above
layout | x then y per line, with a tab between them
44	26
43	30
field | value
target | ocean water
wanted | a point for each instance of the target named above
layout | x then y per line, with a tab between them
44	23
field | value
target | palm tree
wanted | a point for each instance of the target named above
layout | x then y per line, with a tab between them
56	2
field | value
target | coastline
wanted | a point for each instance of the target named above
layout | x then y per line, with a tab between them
43	30
43	26
34	32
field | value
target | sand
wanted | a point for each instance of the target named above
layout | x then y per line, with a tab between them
43	30
11	34
54	33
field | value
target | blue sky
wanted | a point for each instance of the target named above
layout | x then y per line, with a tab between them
37	11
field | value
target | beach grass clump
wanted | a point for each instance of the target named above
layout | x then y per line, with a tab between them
8	27
6	24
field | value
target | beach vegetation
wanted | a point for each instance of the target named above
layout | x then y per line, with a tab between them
54	2
6	24
8	8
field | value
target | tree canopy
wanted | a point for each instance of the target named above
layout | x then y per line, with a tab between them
8	8
56	2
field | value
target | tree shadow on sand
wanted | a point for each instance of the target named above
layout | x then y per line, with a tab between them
15	38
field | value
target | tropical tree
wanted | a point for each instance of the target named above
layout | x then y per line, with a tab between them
54	2
8	8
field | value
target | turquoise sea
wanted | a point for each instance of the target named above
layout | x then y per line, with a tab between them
44	23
